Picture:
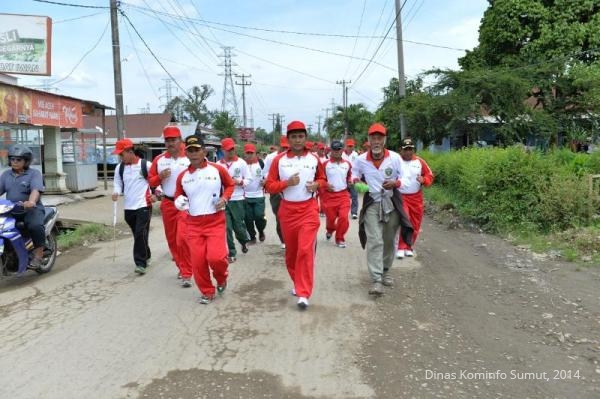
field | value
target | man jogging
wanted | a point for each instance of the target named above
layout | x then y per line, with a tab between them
137	204
416	174
381	214
335	198
350	155
298	174
255	196
238	170
163	172
202	191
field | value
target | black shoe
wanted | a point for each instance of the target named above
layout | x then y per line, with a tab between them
261	236
252	241
245	248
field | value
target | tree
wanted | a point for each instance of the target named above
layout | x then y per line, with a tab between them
359	120
192	106
224	124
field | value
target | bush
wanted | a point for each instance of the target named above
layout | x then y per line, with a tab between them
509	189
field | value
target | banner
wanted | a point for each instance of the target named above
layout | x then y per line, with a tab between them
25	44
55	111
15	105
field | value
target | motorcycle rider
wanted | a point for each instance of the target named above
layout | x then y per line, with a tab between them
25	185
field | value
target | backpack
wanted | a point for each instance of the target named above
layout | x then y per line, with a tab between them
144	166
261	163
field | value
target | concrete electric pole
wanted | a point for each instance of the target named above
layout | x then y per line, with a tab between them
114	22
401	82
345	104
243	84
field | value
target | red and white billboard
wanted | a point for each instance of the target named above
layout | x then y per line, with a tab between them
25	44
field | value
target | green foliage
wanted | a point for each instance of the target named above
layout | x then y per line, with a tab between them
192	106
84	233
224	124
510	189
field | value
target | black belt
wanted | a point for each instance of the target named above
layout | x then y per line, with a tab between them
169	198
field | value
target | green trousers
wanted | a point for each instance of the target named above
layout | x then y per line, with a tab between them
255	216
235	224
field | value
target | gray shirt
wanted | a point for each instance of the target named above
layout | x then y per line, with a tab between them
18	186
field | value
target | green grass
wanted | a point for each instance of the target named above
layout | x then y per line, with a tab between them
85	233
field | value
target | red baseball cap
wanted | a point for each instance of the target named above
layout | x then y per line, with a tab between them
249	147
122	145
227	144
350	142
171	131
283	142
377	128
308	145
320	146
294	126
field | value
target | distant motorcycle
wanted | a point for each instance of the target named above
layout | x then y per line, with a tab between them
16	246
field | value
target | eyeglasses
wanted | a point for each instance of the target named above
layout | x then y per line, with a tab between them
15	159
193	149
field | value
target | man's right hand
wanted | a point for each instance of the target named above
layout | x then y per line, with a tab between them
165	173
294	180
115	197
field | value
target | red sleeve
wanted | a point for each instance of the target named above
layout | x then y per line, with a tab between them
320	176
273	184
426	173
153	177
226	181
178	186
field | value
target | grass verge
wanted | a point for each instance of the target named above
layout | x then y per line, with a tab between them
84	234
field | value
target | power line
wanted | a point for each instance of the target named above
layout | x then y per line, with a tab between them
380	44
77	18
85	55
70	4
152	52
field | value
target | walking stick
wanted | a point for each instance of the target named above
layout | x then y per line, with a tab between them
114	230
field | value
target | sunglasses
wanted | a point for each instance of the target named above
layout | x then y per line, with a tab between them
15	159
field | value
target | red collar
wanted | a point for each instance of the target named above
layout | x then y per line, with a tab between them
386	153
180	154
251	162
290	154
202	166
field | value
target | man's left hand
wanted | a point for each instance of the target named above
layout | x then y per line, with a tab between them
28	204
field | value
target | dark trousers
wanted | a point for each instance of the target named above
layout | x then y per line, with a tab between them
139	223
235	213
255	216
34	222
354	198
275	200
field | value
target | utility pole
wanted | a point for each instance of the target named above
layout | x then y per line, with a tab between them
319	125
327	138
243	84
114	22
345	104
401	83
168	89
229	100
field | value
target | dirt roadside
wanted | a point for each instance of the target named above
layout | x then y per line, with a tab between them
482	318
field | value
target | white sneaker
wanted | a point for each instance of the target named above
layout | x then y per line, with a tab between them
293	292
400	254
282	246
302	302
409	253
341	244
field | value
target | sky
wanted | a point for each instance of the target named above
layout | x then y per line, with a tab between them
295	52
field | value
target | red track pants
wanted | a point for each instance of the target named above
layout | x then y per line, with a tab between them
337	207
299	227
206	249
174	225
413	206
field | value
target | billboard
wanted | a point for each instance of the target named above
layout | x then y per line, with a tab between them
25	44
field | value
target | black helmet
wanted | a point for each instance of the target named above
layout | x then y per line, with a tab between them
20	150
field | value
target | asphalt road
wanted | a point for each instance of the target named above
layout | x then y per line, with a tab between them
468	303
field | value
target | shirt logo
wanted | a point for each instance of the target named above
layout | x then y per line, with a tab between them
388	172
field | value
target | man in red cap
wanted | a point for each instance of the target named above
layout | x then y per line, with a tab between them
350	155
202	192
275	199
137	204
335	198
382	212
416	174
163	172
298	174
255	196
238	170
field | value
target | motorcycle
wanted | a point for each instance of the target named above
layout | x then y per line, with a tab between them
16	246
